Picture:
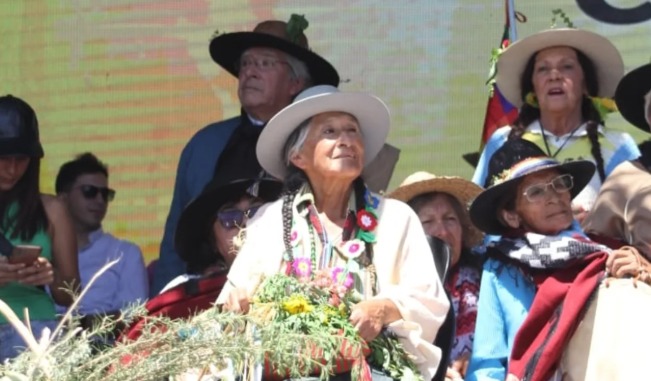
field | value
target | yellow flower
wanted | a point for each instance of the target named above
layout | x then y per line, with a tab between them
297	304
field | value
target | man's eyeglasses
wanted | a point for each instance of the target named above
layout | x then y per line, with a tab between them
234	218
90	192
260	63
559	184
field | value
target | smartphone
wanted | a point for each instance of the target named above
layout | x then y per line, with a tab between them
26	254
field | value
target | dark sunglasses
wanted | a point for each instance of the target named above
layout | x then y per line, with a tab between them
234	218
90	192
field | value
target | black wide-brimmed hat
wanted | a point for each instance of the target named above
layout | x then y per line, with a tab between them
226	49
191	239
630	96
507	167
18	128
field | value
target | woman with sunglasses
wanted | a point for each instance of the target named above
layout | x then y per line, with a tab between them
327	220
540	275
206	236
30	218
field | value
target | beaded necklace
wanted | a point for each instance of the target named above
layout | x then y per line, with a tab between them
363	223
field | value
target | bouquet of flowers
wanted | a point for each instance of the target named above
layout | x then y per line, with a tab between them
311	312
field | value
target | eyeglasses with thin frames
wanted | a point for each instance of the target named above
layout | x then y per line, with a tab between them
90	192
234	218
263	64
560	184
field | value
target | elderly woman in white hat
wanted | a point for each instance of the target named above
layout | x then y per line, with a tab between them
441	204
559	79
319	145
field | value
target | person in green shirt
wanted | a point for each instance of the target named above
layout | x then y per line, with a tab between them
28	217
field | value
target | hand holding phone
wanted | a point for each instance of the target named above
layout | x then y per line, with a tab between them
26	254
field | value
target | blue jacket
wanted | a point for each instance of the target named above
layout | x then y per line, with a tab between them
195	169
505	297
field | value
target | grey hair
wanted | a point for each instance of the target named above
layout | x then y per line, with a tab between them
295	141
299	70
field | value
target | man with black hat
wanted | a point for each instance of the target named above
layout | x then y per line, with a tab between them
273	63
622	209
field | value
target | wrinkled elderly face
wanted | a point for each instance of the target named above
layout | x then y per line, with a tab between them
266	83
558	80
333	148
550	214
440	219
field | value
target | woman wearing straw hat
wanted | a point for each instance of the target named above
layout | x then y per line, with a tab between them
319	145
558	78
540	275
441	205
623	208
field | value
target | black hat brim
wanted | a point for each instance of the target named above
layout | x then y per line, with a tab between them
227	48
630	96
193	223
483	211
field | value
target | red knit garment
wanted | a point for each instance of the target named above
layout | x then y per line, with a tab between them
556	311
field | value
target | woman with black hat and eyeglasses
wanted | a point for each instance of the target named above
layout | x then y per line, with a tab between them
207	239
38	247
540	276
207	235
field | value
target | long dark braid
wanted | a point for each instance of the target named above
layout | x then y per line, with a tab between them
592	127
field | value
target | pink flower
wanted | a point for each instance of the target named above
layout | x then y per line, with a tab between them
293	237
302	267
353	248
341	277
322	279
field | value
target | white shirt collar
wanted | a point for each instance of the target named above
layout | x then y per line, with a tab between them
536	128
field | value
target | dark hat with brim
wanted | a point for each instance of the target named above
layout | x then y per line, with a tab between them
18	128
506	175
630	95
197	217
226	50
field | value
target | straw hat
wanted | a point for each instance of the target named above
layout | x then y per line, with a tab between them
226	49
507	167
630	96
423	182
371	114
603	54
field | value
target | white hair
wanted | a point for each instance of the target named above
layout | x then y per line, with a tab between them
296	141
299	70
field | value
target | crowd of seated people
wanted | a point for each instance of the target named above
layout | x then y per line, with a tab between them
523	236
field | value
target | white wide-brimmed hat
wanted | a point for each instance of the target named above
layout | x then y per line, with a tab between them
422	182
371	114
605	57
